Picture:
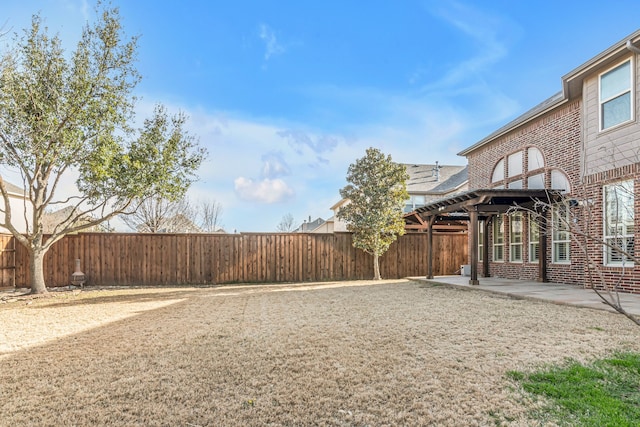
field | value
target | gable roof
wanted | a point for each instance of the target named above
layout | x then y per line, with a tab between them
14	189
310	225
571	88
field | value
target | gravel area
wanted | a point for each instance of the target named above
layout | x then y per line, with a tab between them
335	354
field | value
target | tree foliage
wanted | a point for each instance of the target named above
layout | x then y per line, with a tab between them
71	113
376	191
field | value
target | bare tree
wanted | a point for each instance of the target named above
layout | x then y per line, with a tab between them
576	216
287	224
160	215
209	212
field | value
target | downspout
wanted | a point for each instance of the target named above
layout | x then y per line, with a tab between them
632	48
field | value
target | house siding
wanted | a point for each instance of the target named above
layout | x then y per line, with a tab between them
21	212
612	148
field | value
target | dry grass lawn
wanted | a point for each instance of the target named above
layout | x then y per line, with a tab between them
350	354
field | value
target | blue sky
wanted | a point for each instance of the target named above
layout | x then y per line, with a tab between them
286	94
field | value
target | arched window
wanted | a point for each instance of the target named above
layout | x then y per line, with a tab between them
535	160
525	168
559	181
498	172
514	164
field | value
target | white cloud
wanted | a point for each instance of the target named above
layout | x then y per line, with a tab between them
274	166
265	191
272	47
489	36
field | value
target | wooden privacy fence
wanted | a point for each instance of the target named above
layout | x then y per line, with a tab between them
7	261
176	259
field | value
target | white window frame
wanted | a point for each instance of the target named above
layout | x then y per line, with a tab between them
515	237
481	240
414	202
623	191
629	90
534	240
561	234
498	231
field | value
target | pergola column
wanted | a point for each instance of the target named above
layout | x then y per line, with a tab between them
542	248
431	221
485	247
473	252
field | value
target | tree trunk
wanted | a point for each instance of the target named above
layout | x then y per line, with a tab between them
36	267
376	268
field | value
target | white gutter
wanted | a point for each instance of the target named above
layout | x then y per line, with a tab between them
632	48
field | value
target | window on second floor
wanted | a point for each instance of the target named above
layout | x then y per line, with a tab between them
498	171
515	171
616	100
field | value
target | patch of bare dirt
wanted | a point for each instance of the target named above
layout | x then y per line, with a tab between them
361	353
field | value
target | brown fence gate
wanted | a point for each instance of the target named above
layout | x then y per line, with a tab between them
7	261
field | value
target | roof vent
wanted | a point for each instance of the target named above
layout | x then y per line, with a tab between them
436	171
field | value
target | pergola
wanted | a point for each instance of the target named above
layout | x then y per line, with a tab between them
477	205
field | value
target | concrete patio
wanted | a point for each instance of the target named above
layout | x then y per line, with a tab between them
553	292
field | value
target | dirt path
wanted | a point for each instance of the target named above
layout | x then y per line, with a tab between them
372	354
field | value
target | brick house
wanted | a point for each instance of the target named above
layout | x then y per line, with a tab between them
579	153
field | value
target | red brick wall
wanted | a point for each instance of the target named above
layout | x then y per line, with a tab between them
628	278
558	136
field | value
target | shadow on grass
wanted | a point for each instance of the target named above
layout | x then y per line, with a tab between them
106	296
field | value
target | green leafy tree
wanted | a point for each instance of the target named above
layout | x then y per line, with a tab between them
64	113
377	192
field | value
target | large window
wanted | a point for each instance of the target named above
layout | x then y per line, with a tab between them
515	237
498	172
520	173
514	164
535	159
561	237
534	239
618	223
616	100
498	238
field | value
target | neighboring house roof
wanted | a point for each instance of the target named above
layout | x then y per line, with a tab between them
180	223
51	219
339	204
14	189
309	226
571	88
435	179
